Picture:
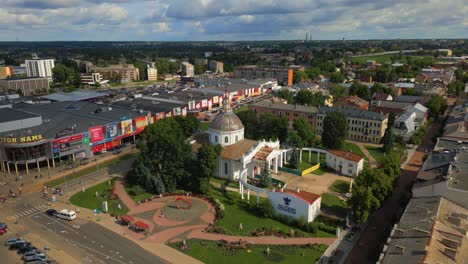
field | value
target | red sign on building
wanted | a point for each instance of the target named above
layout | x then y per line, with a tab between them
96	133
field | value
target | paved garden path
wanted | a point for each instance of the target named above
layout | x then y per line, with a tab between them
197	231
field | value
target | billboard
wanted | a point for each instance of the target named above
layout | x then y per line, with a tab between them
112	130
127	127
140	123
177	111
96	133
67	145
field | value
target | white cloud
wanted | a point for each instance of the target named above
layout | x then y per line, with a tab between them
247	19
160	27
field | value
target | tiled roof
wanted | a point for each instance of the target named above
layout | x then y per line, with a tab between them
263	153
308	197
348	155
235	151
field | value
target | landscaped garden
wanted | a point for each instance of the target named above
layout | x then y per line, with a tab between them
332	204
214	252
377	153
238	211
93	197
354	148
340	186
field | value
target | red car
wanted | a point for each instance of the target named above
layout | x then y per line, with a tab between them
3	231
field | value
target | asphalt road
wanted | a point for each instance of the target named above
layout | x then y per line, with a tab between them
97	241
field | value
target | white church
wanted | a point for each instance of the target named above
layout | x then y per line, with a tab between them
244	158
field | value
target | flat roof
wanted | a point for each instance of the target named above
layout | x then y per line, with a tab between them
153	106
353	113
74	96
286	107
61	115
9	114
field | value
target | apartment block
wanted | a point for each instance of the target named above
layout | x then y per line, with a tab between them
284	75
127	72
40	68
366	126
187	69
216	66
290	111
25	86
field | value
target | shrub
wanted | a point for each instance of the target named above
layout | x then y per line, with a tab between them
266	209
136	190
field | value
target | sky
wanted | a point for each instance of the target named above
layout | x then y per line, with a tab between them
181	20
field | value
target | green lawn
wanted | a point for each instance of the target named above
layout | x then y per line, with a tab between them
88	170
340	186
88	199
137	197
210	253
377	153
239	211
332	204
313	157
233	184
319	171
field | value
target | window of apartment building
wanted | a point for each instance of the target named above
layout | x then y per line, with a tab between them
350	165
311	116
296	115
350	171
225	168
279	113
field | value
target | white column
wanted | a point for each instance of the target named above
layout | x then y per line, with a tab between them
242	192
300	155
248	194
310	152
240	187
258	199
276	165
269	163
281	159
318	157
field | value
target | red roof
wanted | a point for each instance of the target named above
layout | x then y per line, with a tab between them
141	225
348	155
126	218
308	197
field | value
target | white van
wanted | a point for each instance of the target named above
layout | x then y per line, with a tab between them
66	214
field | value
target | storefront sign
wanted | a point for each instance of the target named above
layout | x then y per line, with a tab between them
96	134
140	123
65	132
25	139
68	145
111	130
127	127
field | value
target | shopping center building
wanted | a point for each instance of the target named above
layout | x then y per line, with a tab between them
40	135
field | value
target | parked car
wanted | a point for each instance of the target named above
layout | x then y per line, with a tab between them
25	249
19	245
35	258
3	225
13	240
3	231
33	253
51	212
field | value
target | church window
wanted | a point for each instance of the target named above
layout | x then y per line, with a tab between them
225	168
216	139
226	140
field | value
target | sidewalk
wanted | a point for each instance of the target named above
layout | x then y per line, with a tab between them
37	186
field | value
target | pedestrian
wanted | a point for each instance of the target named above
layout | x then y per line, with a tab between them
35	178
20	190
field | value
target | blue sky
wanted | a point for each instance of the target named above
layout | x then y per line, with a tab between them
44	20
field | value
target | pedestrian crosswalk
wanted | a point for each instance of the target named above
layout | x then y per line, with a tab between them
31	210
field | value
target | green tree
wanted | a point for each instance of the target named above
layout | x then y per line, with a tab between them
285	94
281	125
299	76
305	97
189	124
338	92
250	122
362	203
143	74
337	77
436	105
313	73
335	130
207	158
391	119
62	74
379	88
360	90
265	179
305	132
388	140
165	151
